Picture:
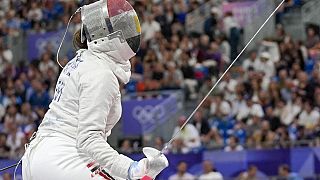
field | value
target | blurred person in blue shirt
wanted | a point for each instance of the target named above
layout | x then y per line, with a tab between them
285	173
239	132
224	121
39	96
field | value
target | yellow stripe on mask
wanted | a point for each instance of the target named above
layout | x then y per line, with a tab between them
136	20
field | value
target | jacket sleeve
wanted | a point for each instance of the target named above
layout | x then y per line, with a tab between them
98	89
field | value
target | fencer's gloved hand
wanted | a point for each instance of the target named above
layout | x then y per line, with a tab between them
148	168
138	169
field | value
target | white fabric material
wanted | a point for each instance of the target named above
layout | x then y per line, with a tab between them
250	63
273	50
138	169
55	158
244	111
116	53
266	67
190	137
185	176
150	166
289	113
230	149
86	106
228	23
149	29
157	161
309	120
211	176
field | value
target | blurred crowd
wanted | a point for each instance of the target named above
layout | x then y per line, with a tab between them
208	171
269	101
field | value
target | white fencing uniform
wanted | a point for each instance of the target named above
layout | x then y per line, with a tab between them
71	140
85	108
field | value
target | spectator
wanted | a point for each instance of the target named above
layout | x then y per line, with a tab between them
285	173
251	62
149	27
232	30
272	48
309	116
159	143
35	13
225	49
266	65
188	75
15	140
213	59
46	63
239	132
6	176
233	144
219	106
126	147
291	111
250	174
12	117
210	25
4	149
209	172
39	97
228	87
205	88
27	115
202	126
251	112
6	57
312	38
182	173
13	23
273	120
188	139
173	77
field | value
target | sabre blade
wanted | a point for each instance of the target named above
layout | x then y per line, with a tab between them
221	77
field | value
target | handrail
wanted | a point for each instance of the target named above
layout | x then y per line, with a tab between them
284	145
151	93
274	145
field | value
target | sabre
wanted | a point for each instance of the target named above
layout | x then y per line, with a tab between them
8	167
218	81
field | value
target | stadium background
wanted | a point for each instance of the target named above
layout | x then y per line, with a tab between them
262	121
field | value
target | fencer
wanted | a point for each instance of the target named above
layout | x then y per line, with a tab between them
71	140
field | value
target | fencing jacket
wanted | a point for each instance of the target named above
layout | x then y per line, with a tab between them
87	105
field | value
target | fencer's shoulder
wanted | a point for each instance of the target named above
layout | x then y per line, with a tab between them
92	64
92	61
94	70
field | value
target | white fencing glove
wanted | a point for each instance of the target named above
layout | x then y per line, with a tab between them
148	168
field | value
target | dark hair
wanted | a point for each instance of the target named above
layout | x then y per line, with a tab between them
77	41
285	167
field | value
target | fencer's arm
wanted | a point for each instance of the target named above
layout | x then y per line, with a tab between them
98	89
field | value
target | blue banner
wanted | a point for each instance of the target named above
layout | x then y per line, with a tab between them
5	163
143	116
38	43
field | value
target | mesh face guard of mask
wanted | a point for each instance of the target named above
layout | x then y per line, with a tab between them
105	18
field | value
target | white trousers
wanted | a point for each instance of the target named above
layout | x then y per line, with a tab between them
55	157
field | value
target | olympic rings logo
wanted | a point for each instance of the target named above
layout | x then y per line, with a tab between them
148	114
